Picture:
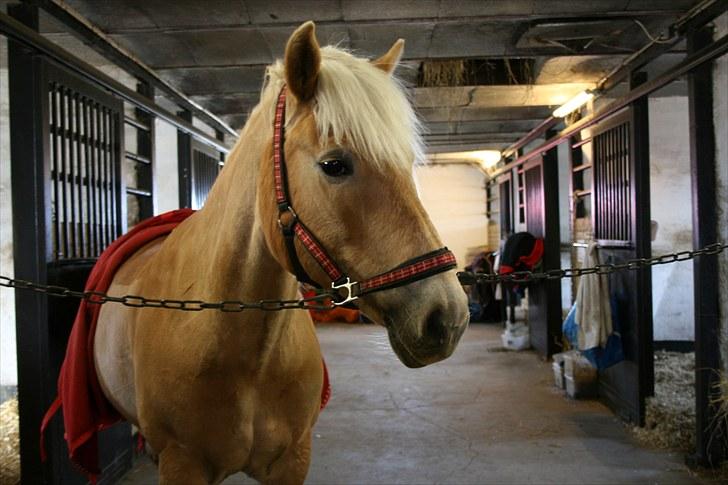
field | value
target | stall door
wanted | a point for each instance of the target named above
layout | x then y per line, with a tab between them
506	206
67	146
621	228
540	178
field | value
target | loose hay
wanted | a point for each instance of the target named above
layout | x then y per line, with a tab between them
9	443
670	414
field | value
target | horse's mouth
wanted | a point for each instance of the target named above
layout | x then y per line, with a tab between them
401	350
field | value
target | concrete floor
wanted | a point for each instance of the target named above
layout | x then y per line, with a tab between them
482	416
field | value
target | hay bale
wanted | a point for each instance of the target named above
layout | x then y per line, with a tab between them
443	73
670	413
9	443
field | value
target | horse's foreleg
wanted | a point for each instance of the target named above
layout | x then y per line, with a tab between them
292	467
177	465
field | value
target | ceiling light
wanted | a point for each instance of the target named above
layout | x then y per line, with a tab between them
573	104
487	158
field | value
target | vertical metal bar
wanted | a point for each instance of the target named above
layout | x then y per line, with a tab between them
81	248
613	188
65	172
103	180
613	163
90	249
56	171
120	211
626	147
93	185
607	185
113	161
599	162
184	163
107	175
110	135
618	159
72	173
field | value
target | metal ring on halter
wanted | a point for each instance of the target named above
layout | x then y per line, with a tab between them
350	294
294	217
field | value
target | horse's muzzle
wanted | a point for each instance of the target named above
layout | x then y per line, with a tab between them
423	338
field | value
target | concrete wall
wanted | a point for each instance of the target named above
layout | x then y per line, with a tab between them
670	194
454	197
8	361
165	171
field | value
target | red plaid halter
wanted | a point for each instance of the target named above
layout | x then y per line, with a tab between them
412	270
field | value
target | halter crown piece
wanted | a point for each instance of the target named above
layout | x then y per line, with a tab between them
415	269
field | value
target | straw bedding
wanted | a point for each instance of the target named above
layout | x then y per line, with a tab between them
670	414
9	443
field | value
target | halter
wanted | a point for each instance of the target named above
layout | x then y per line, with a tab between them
415	269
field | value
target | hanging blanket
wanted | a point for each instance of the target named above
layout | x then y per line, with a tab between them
593	312
86	411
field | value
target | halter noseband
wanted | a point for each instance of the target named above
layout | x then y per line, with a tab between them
415	269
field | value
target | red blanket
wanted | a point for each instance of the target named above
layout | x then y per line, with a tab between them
86	411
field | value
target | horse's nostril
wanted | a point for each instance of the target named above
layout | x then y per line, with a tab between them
435	327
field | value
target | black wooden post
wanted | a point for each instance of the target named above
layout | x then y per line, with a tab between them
642	230
709	434
145	149
184	162
31	221
552	246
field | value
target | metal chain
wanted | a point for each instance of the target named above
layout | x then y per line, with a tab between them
318	302
469	278
324	301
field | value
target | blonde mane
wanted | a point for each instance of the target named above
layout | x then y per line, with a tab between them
357	102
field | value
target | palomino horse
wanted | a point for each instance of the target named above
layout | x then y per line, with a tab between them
216	393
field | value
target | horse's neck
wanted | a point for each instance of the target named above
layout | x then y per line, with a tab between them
225	246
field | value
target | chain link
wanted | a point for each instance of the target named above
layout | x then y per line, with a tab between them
324	301
469	278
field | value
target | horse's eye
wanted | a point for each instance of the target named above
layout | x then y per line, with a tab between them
335	167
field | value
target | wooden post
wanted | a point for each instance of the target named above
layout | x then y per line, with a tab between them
709	434
29	161
641	227
184	162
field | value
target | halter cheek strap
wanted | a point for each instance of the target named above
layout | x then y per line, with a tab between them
292	228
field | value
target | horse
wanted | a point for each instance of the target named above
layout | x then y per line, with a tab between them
217	393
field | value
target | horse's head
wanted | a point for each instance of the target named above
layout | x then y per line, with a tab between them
351	138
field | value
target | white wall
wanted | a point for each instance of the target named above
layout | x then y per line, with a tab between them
8	361
670	194
165	167
454	197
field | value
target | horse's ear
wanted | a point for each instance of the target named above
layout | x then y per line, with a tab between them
388	62
303	60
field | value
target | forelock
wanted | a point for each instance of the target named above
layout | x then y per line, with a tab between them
361	105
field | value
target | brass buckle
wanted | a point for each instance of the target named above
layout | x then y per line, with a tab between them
349	296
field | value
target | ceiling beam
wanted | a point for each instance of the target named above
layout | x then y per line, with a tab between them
460	114
564	14
497	96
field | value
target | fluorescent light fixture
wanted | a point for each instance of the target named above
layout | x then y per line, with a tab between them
487	158
574	103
